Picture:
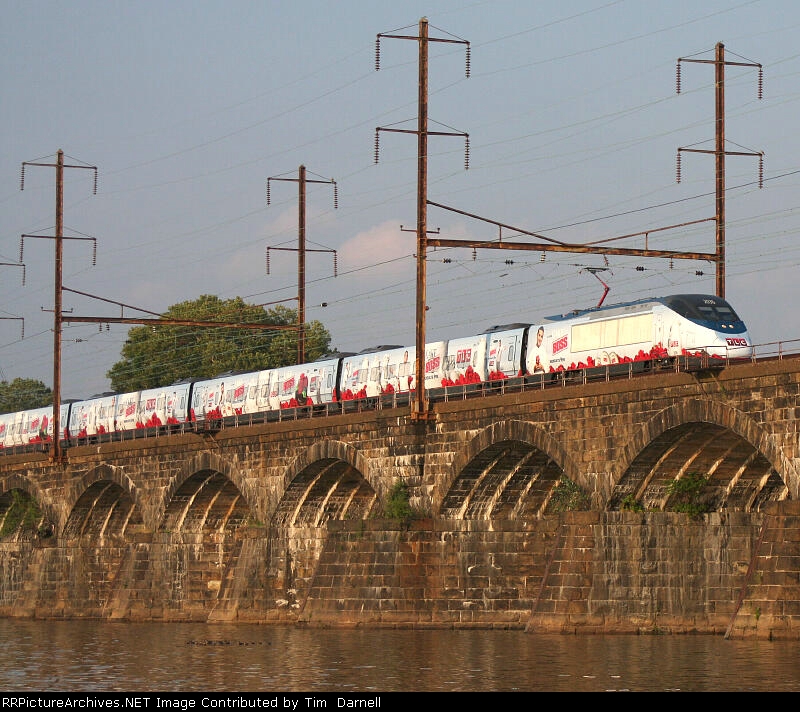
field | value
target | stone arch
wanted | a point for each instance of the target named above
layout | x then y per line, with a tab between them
101	502
721	418
537	464
328	480
200	462
50	513
100	472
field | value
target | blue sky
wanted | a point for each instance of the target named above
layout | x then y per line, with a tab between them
187	108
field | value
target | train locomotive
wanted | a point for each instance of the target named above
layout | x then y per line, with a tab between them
637	332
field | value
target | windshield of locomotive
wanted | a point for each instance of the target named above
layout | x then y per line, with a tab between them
703	308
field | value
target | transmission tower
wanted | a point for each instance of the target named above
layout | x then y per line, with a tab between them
419	411
301	250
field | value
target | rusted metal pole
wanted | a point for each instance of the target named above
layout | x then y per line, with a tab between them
720	165
420	409
301	268
55	451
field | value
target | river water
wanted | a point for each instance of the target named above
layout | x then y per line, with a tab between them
72	656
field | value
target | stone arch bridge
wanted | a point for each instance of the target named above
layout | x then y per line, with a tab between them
262	522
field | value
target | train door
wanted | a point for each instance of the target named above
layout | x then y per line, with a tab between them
659	337
321	382
505	352
260	400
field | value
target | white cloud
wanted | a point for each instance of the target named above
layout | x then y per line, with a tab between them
385	248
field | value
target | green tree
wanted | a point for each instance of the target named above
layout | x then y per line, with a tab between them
23	394
155	356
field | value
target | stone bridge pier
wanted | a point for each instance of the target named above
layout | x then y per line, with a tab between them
535	508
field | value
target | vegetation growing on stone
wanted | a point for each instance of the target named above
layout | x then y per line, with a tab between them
686	494
398	503
23	513
567	496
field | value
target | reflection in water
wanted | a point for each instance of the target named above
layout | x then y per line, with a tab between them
186	657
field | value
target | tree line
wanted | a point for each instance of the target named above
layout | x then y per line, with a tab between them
154	356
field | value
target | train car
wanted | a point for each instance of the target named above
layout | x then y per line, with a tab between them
636	331
157	407
306	384
506	351
221	397
94	416
127	410
12	427
257	399
32	426
390	369
5	427
360	373
497	353
465	361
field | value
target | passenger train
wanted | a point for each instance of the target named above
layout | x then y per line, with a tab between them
638	332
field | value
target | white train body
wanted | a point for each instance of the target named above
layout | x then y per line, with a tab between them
303	385
221	397
649	328
31	426
660	328
95	416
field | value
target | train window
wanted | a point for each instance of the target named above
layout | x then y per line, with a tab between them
702	308
612	333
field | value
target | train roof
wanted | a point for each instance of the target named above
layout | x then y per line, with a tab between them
673	301
506	327
383	347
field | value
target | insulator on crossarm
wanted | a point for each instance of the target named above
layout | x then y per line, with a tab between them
543	257
22	178
267	191
678	168
761	170
678	77
698	273
466	153
94	187
268	260
335	264
469	59
23	282
21	243
335	195
94	252
377	145
760	81
474	254
377	53
639	268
